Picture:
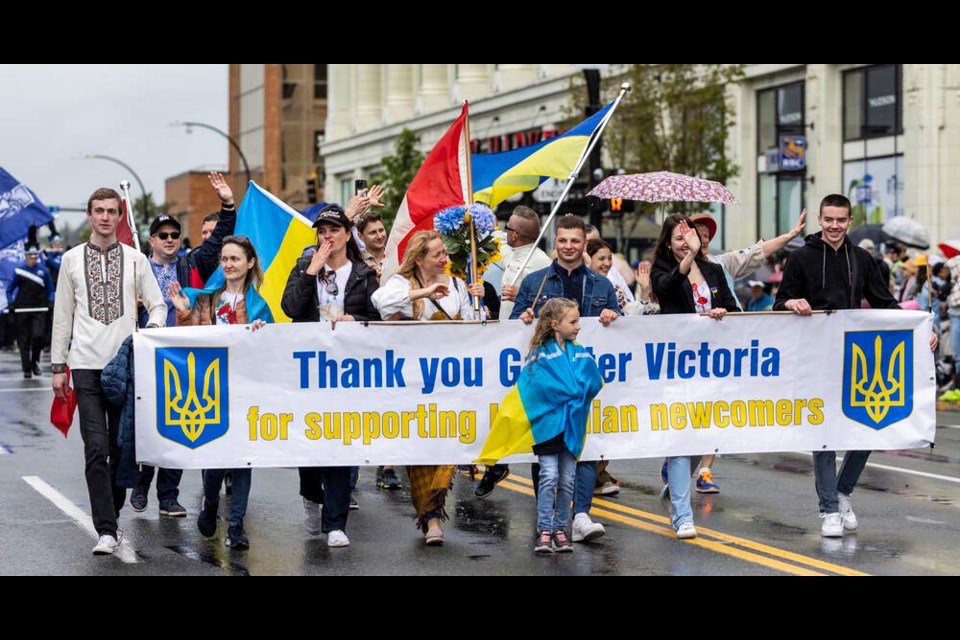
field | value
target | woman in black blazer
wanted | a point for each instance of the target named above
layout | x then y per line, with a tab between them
684	282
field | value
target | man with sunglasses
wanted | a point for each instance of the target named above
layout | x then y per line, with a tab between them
192	270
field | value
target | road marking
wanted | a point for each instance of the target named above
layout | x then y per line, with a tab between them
636	519
126	552
5	449
922	474
28	390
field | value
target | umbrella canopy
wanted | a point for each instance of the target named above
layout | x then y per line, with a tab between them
950	248
872	232
662	186
907	231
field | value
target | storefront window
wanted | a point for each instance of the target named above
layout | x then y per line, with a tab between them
873	102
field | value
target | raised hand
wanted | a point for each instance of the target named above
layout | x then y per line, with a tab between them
798	229
376	196
178	298
219	184
690	236
643	279
319	259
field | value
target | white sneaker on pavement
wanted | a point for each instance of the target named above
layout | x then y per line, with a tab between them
311	517
831	525
686	531
337	539
846	513
585	530
106	546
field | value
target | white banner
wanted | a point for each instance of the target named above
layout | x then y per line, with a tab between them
405	393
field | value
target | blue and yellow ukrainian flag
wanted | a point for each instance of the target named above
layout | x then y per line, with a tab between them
497	176
552	397
279	233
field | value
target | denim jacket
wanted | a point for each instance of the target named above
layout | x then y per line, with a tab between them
598	293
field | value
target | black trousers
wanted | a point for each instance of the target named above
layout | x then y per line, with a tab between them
168	482
99	426
329	486
30	336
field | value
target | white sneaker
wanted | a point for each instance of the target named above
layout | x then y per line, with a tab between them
686	531
106	546
585	530
831	525
311	517
846	513
337	539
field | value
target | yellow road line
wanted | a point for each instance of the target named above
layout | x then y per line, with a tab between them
742	542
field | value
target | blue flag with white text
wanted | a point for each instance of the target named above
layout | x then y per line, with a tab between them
20	209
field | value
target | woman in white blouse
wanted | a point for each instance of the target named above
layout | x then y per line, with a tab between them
421	290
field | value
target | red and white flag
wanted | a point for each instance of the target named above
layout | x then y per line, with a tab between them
124	232
441	182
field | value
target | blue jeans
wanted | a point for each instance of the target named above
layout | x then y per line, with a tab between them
557	475
678	479
583	488
829	484
242	479
955	336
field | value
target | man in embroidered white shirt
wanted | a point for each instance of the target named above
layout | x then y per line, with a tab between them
94	312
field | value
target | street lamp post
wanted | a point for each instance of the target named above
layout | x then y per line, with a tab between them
146	203
232	142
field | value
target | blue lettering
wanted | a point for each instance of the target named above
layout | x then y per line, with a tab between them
428	367
607	363
510	367
771	363
671	361
326	371
686	370
394	370
451	372
704	359
654	360
350	374
304	357
754	357
721	363
473	372
624	359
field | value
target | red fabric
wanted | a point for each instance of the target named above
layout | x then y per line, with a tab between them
124	234
438	185
61	413
196	281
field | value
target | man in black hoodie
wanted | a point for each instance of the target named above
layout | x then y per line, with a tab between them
826	274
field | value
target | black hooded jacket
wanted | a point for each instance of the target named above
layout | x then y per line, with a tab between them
831	279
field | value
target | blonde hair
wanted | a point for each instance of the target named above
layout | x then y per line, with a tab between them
416	250
553	311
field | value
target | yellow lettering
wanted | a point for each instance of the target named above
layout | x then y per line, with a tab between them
761	412
352	425
798	406
784	413
628	419
658	417
448	424
253	420
331	426
391	425
285	420
468	427
371	426
700	411
268	427
314	431
815	406
738	413
611	422
678	417
720	419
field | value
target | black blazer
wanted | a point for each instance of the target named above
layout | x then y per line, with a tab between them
300	300
674	291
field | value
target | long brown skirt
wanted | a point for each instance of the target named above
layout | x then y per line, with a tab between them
428	489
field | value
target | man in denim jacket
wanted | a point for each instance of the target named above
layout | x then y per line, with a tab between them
569	278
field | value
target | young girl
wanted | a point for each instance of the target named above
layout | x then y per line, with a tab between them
556	387
227	305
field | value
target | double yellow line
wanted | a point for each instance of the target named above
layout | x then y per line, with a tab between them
740	548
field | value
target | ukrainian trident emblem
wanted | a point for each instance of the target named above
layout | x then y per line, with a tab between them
192	395
878	377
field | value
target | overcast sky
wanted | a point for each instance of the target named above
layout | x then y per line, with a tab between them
51	115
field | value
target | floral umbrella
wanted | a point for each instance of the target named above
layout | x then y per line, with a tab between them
662	186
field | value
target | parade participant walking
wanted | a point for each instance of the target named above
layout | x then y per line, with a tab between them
830	273
522	229
421	290
225	306
557	384
30	293
95	310
333	284
568	277
190	271
686	283
374	237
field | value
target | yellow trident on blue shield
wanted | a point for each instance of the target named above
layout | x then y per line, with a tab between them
189	405
878	377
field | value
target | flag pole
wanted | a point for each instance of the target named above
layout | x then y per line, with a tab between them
467	201
625	88
131	219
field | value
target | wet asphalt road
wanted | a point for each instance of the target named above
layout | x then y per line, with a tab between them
763	523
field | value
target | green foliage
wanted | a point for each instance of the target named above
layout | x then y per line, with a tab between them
677	118
398	172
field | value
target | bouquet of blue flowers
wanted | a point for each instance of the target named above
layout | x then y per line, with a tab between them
454	227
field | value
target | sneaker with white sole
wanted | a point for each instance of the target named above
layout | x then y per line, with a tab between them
311	517
106	546
847	515
337	539
831	525
686	531
607	489
585	529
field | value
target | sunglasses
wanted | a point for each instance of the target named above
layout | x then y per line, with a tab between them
163	235
329	278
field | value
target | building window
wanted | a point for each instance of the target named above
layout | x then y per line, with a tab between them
875	189
319	82
873	102
780	187
319	135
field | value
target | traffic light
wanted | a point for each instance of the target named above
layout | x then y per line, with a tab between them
312	188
